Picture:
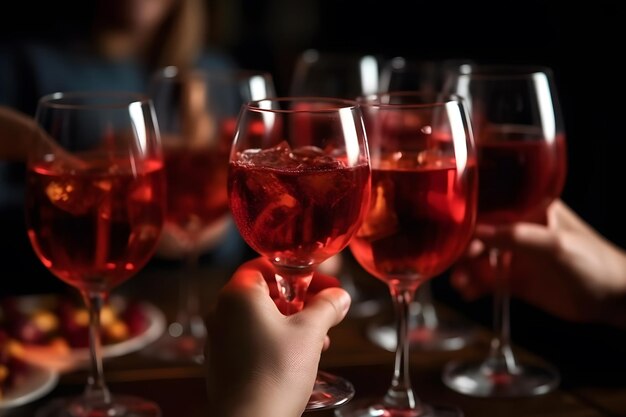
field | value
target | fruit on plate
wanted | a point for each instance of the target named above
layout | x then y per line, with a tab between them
12	368
63	322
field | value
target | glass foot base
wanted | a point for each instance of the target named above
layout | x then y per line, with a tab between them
373	408
330	391
476	380
181	348
362	308
121	406
445	336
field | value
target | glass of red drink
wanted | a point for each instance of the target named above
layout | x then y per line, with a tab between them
95	206
420	219
299	184
197	112
429	330
341	75
522	166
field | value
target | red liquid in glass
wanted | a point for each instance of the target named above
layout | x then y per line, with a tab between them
196	186
297	210
520	174
95	227
419	221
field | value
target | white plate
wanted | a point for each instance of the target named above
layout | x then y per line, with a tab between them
34	384
64	360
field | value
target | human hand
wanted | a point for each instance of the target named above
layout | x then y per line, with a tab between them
563	267
261	362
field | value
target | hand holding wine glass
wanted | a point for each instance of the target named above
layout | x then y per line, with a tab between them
94	211
420	219
429	329
564	267
522	164
298	187
276	357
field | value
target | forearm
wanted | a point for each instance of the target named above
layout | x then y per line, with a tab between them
616	304
16	134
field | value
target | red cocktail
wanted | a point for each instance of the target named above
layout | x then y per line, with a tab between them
96	226
286	203
520	174
522	164
95	207
196	184
419	221
299	184
197	114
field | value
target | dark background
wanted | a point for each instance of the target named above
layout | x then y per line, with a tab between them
581	43
584	44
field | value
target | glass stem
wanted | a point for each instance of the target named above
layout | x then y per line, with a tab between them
188	316
426	314
191	296
187	289
400	394
96	391
292	286
501	359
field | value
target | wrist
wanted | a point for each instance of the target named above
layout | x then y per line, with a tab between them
614	309
260	399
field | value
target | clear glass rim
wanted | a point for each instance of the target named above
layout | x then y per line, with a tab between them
502	71
439	100
333	104
104	100
403	63
315	55
174	73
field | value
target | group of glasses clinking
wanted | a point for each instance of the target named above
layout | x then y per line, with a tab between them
397	160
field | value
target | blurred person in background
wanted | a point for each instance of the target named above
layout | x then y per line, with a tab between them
113	45
125	42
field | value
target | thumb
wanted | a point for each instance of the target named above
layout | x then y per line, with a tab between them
326	309
247	291
534	238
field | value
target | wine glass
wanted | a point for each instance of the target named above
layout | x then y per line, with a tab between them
299	184
197	112
405	74
420	220
339	75
347	76
429	331
95	206
521	152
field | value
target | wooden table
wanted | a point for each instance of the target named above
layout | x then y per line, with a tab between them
179	388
